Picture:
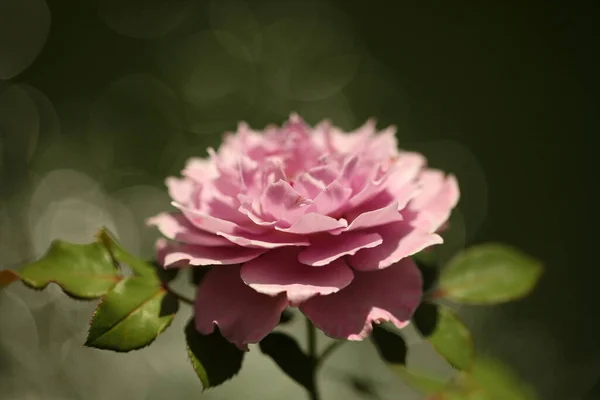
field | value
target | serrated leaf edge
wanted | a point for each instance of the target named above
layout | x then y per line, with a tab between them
102	299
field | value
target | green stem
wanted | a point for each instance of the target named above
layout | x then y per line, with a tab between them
311	334
327	352
179	296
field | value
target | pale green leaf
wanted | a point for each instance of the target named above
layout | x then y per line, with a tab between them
489	274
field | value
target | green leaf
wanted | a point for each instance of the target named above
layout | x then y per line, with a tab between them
448	335
197	274
165	275
391	347
419	381
214	359
137	265
83	271
287	316
132	315
429	274
286	353
497	382
488	380
427	257
489	274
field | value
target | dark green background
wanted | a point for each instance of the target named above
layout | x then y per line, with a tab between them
515	83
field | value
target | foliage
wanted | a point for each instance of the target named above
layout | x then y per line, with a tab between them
135	309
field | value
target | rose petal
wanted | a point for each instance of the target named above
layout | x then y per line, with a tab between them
353	141
384	144
331	199
329	248
282	201
177	255
212	224
180	190
314	223
161	248
269	240
308	186
400	240
381	216
324	174
243	315
432	214
175	226
279	271
405	170
391	294
430	181
199	169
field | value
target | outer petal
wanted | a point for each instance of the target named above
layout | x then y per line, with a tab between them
431	209
209	223
199	169
180	189
176	255
279	271
381	216
242	314
175	226
391	294
400	240
327	248
405	170
315	223
269	240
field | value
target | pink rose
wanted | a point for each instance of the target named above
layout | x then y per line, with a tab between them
313	218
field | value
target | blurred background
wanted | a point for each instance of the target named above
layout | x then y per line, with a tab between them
101	100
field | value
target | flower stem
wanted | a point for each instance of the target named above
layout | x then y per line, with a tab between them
327	352
179	296
311	334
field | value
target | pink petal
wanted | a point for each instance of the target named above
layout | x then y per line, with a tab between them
432	214
281	200
381	216
384	144
223	207
180	189
175	226
329	248
161	248
430	181
405	170
331	199
199	169
391	294
314	223
308	186
400	240
279	271
177	255
243	315
269	240
209	223
324	173
353	141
